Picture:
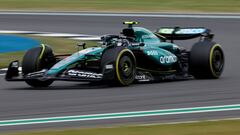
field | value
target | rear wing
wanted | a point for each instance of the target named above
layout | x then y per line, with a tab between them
178	33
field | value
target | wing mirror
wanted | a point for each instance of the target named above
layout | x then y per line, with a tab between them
141	44
82	44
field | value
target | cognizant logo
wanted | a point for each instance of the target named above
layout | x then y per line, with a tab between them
168	59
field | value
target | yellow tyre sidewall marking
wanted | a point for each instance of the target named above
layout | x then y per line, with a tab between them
210	59
117	64
41	55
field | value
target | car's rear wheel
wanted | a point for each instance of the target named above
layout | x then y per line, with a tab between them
206	60
35	60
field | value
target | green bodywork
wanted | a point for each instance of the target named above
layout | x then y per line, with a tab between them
71	60
162	53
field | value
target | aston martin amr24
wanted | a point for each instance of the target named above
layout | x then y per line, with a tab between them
135	55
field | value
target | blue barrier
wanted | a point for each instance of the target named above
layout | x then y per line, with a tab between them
11	43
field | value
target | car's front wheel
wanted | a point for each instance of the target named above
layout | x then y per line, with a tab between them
125	67
35	60
123	64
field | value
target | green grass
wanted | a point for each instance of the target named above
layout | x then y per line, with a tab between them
59	46
124	5
229	127
6	58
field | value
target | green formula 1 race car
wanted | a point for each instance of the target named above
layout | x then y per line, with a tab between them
136	55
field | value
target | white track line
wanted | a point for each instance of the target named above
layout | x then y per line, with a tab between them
120	115
86	38
60	35
213	16
17	32
47	34
4	69
51	34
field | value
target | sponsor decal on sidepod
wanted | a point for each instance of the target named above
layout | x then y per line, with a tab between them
168	59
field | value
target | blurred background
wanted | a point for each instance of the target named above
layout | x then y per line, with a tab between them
123	5
64	23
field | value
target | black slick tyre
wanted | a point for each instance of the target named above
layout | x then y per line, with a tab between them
35	60
124	63
206	60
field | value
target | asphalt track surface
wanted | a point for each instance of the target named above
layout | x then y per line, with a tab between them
18	101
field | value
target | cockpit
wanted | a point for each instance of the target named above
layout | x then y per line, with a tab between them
140	35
